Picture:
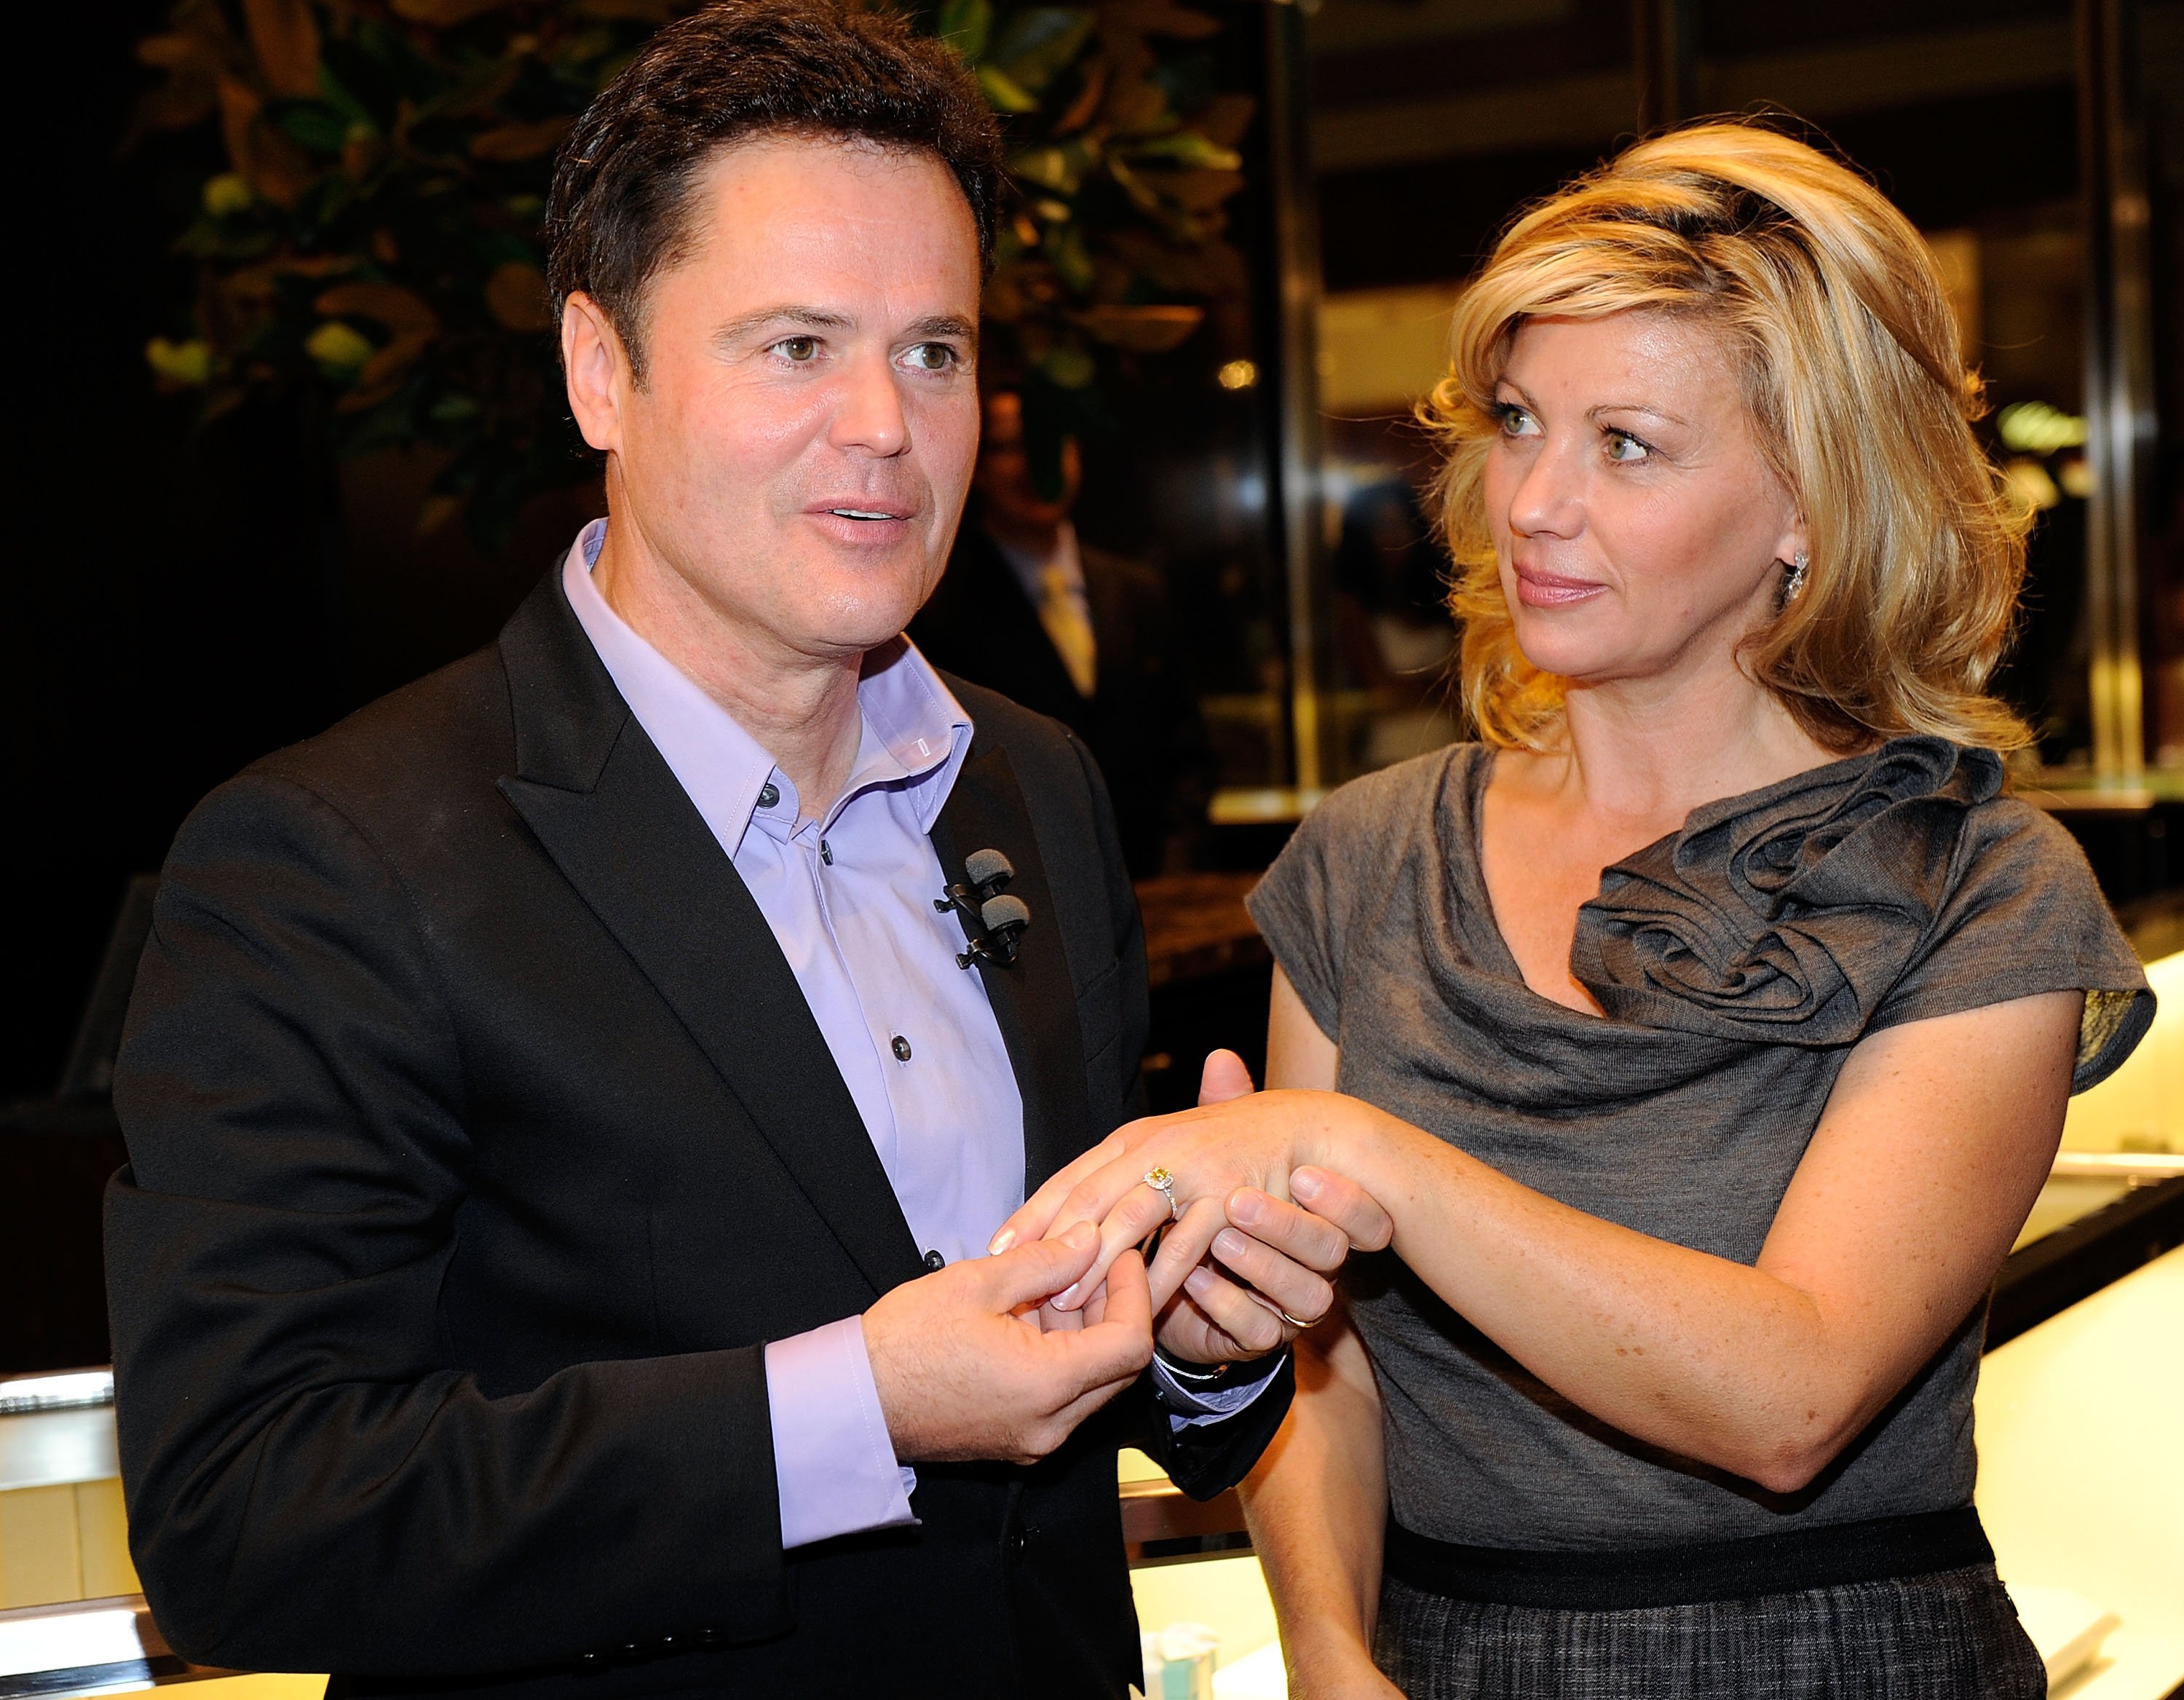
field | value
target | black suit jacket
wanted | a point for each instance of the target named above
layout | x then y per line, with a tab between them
1141	722
480	1138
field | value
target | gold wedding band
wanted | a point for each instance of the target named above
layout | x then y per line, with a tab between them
1296	1322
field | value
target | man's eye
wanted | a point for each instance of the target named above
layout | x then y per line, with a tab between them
1623	448
932	356
799	350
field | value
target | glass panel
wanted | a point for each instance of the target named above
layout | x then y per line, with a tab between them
1434	120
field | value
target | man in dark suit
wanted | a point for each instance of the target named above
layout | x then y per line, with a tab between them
564	1125
1077	632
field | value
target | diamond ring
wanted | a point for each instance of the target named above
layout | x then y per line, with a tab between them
1163	1183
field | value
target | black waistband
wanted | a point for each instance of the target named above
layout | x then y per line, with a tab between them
1825	1557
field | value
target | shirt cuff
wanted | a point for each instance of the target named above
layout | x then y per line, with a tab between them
1189	1407
832	1461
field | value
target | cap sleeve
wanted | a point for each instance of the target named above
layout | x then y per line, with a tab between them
1296	908
1306	903
2026	916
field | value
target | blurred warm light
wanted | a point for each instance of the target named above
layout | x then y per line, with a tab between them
2029	485
2033	427
1237	374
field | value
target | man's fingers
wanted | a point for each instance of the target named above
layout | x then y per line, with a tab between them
1121	1343
1344	1203
1245	1319
1301	1235
1286	1286
1224	1077
1040	1268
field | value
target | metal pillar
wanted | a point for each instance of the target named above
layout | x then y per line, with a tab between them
1302	502
1665	53
2119	414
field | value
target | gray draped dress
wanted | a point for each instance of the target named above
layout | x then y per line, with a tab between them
1737	962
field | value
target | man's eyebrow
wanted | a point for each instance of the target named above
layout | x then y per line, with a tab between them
945	324
815	318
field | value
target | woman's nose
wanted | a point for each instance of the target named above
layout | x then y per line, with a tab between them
1547	500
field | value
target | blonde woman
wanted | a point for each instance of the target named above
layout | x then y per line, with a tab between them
1705	1028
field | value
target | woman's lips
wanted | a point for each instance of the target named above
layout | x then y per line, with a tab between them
1550	590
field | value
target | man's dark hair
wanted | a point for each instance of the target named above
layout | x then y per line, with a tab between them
619	210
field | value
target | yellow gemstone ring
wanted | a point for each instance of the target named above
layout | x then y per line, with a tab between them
1163	1183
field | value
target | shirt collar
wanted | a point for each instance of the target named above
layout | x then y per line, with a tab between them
912	731
1030	568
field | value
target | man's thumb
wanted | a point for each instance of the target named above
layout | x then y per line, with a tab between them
1040	1268
1225	1076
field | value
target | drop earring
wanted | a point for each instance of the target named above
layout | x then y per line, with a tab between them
1796	580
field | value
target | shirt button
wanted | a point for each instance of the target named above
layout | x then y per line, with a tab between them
900	1046
768	794
826	853
934	1260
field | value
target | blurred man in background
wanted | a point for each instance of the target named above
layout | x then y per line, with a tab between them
1030	610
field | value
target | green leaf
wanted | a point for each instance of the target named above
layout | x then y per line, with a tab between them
966	25
1002	94
228	193
1068	366
1060	168
184	364
1187	147
319	128
1067	251
1039	41
340	349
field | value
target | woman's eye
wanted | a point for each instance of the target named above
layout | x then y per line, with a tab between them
1624	447
797	350
1517	422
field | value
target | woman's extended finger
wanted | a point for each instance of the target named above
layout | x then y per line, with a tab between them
1183	1248
1035	1216
1126	1226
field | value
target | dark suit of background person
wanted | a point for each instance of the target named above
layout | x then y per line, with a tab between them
571	1148
1141	719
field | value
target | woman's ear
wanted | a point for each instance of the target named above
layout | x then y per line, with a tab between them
595	367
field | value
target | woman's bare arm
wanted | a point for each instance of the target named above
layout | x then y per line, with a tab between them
1318	1502
1317	1506
1925	1162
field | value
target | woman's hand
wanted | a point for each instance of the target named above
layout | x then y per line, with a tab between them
1243	1151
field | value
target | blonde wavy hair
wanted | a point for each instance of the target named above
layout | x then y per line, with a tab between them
1840	328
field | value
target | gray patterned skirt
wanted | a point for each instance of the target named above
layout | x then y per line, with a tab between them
1939	1635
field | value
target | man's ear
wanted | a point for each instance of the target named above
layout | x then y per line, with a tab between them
595	366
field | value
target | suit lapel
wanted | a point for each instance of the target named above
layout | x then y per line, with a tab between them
610	814
1034	1000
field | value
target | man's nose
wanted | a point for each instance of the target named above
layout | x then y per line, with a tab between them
869	413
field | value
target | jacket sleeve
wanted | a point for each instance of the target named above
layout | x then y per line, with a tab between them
311	1485
1203	1459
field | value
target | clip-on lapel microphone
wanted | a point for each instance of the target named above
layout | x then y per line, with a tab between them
992	923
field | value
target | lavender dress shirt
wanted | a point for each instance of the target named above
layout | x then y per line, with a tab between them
848	897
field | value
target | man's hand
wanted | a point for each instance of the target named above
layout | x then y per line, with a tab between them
1268	1278
964	1370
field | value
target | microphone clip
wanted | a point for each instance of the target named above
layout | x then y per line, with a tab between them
993	924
